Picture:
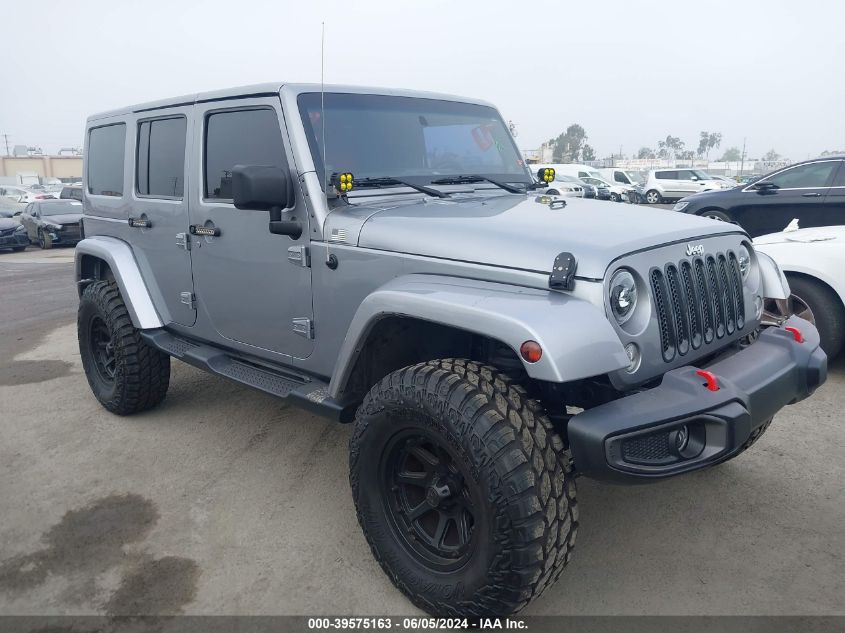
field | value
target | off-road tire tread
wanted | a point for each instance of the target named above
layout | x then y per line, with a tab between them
537	521
142	371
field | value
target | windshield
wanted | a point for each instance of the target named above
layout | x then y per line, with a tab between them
635	177
61	208
419	140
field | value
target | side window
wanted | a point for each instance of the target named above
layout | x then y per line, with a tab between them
685	174
242	137
840	177
618	176
809	175
666	175
160	168
105	160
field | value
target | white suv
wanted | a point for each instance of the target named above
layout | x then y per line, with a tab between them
668	184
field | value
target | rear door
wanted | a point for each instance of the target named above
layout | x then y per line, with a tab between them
833	213
158	214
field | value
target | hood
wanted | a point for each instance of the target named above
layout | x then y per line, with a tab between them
8	223
516	231
714	195
64	218
803	236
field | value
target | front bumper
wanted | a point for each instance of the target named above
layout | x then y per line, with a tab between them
14	240
636	438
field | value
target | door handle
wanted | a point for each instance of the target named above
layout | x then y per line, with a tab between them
140	223
811	195
211	231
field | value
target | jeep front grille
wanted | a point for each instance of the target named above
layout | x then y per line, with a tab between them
697	301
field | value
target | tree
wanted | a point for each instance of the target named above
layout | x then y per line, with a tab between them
646	152
670	147
731	154
687	155
708	141
771	156
836	152
588	153
569	145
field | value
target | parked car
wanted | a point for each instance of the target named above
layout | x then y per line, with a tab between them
606	190
358	279
671	184
565	186
624	177
729	183
22	194
71	192
52	222
813	260
12	235
812	191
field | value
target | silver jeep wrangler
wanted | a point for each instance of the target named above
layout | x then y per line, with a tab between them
383	258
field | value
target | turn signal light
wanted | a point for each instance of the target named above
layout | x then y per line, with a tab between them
531	351
796	334
546	174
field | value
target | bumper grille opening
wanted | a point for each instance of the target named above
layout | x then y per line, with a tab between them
697	301
647	449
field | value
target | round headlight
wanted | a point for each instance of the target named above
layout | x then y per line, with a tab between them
623	295
744	260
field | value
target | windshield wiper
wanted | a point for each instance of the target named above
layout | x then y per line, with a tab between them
470	178
392	182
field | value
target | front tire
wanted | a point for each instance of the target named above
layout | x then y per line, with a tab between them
827	311
716	214
653	197
126	374
44	240
463	489
614	197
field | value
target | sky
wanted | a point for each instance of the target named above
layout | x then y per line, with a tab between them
629	72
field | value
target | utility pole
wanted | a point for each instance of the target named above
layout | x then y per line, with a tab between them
6	138
742	158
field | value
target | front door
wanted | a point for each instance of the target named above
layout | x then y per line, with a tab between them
158	212
799	192
248	280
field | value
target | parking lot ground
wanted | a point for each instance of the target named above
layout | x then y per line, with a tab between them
227	501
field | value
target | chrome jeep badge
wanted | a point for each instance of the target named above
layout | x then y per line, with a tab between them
695	249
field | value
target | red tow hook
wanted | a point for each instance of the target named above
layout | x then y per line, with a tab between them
796	333
712	383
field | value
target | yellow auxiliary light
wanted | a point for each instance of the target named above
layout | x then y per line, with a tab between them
343	182
546	174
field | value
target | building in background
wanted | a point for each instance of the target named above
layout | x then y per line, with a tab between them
36	168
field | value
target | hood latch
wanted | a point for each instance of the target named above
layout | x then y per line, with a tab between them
563	272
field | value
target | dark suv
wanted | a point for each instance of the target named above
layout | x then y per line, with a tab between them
812	191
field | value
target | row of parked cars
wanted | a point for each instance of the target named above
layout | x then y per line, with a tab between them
19	194
42	216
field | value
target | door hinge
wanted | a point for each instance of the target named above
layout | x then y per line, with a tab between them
183	240
299	255
189	299
304	327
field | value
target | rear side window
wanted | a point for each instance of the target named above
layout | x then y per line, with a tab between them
242	137
805	176
105	160
666	175
160	168
618	176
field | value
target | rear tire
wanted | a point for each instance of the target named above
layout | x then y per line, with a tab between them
499	468
653	197
126	374
827	310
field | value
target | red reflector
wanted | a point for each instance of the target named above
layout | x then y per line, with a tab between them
712	383
531	351
796	334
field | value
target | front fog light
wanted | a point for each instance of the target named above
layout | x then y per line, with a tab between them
623	295
634	357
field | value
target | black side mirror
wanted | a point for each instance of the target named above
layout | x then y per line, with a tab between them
764	186
265	188
260	187
16	214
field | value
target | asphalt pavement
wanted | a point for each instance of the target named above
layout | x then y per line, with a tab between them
226	501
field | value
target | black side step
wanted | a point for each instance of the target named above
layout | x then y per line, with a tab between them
305	391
